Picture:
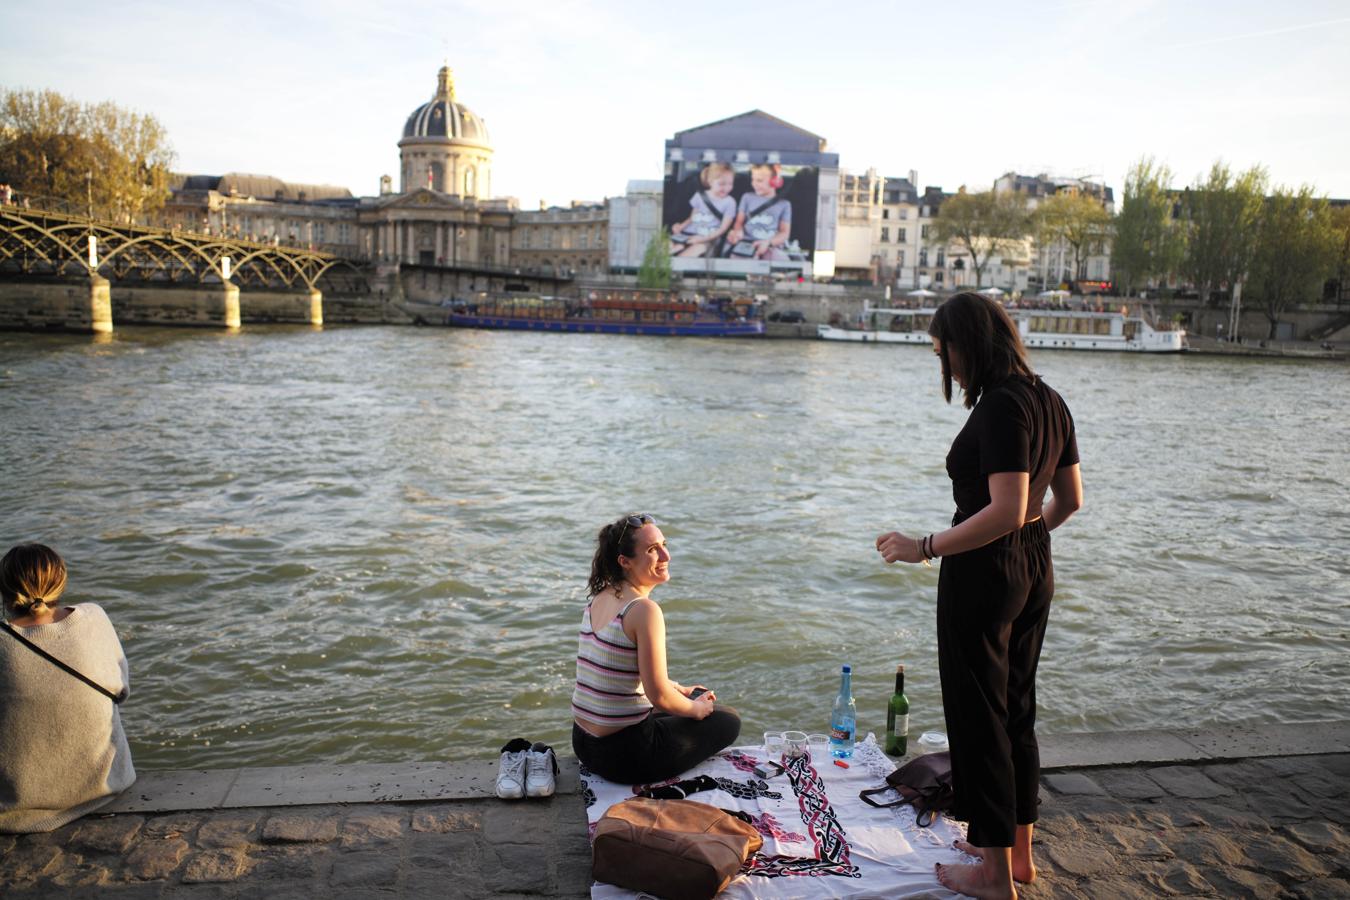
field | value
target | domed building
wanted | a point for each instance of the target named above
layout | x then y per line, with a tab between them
445	146
442	214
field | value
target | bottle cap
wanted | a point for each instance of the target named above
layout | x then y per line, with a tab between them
847	667
900	670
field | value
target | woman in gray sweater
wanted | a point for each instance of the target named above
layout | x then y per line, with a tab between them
62	675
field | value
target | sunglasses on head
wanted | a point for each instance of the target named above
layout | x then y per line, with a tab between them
636	520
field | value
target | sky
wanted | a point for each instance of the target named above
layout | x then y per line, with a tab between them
580	95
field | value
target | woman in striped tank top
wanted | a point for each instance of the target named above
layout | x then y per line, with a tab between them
631	723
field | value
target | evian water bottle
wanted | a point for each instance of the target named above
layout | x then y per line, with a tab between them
844	717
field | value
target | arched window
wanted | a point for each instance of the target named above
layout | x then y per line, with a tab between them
469	182
437	180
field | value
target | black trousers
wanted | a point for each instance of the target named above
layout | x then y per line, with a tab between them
993	604
659	747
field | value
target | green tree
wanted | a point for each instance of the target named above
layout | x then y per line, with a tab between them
1147	246
1222	215
984	224
1079	221
1296	250
83	156
655	269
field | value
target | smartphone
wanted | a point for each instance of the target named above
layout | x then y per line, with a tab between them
697	692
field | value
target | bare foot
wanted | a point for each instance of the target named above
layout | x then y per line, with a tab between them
979	881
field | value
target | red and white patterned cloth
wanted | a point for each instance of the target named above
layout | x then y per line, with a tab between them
814	827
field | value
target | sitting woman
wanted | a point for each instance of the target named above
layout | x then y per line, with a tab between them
62	675
621	670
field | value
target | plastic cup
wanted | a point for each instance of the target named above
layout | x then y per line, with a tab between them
932	742
796	743
819	745
773	744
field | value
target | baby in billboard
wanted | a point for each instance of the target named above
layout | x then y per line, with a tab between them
763	219
712	211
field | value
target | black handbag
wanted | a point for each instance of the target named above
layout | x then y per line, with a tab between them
924	782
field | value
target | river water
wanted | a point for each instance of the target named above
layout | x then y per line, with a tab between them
371	544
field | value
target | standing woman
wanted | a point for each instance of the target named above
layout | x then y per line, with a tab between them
63	752
996	582
630	723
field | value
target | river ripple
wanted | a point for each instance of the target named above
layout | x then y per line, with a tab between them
370	544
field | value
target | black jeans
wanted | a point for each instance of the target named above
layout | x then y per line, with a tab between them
659	747
993	605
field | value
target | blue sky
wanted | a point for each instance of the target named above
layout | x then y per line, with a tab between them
580	94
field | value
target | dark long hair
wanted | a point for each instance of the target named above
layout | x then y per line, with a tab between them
986	338
613	541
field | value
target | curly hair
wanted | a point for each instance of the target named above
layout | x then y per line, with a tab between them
614	540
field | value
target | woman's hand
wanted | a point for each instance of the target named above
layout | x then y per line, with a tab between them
688	691
896	547
704	706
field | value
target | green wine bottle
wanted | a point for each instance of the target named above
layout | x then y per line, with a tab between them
897	717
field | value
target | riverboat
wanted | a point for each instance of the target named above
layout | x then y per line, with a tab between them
610	312
1041	329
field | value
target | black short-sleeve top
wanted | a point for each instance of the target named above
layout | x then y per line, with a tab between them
1018	425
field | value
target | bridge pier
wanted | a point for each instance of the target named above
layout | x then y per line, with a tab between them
230	313
100	305
315	306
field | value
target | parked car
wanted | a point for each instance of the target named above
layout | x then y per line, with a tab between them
787	316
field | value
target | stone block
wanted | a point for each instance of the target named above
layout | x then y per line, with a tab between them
1187	781
156	859
1231	881
459	850
1129	784
366	868
1100	810
1279	855
28	861
372	827
281	863
1228	814
1072	783
114	834
1082	858
1322	889
1320	837
169	790
300	828
222	831
1205	848
443	819
1278	806
516	823
216	866
574	875
1135	842
169	826
520	868
1175	878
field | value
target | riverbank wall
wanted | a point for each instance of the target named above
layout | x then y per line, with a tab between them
1234	811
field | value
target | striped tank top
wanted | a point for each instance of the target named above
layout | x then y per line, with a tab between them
609	690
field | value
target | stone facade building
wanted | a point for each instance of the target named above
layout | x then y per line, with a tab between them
571	239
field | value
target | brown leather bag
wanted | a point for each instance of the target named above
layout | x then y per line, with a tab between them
677	849
924	782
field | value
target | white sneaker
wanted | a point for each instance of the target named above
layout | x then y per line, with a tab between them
541	767
511	769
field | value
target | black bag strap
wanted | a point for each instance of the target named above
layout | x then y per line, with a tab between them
115	698
866	797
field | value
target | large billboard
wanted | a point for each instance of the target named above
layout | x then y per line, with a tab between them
741	217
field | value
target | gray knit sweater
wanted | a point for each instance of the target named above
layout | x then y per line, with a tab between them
62	749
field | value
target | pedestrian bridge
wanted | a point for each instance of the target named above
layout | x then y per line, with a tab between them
37	242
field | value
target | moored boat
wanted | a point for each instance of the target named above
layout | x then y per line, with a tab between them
613	312
1048	329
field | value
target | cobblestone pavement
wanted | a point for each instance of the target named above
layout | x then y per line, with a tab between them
1270	828
1273	827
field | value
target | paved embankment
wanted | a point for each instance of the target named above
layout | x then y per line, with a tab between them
1262	812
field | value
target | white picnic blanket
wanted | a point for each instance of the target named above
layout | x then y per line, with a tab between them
820	840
